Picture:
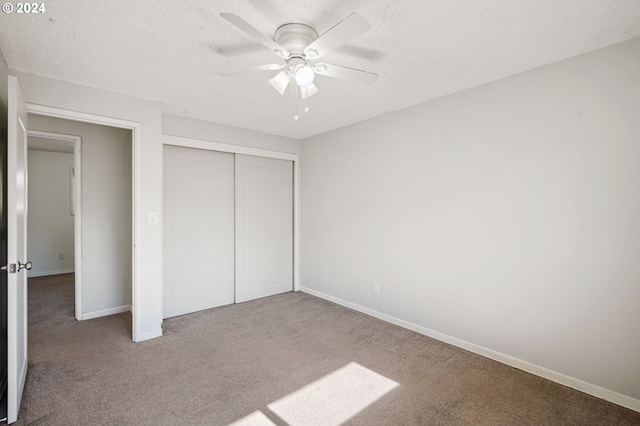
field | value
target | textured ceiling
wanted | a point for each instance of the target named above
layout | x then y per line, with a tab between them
170	50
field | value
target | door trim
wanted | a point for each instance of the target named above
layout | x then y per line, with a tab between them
77	218
237	149
135	127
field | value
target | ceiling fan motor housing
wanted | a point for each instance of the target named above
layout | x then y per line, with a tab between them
295	37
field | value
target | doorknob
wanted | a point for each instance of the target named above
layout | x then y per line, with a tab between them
13	268
27	265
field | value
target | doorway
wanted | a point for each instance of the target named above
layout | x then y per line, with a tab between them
104	243
55	208
14	174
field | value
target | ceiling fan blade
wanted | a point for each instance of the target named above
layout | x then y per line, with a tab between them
345	30
257	68
281	81
345	73
257	35
307	92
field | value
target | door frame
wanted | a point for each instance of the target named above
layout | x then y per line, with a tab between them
136	179
237	149
77	218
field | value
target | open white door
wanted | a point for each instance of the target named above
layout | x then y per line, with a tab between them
16	249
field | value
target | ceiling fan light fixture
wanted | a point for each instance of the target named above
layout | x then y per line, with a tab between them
304	76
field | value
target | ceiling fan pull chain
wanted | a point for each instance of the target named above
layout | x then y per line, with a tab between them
306	99
296	116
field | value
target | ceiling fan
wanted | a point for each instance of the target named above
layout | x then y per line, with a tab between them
300	47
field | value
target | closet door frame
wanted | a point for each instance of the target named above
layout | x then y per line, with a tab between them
257	152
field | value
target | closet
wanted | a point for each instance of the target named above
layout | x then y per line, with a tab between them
227	228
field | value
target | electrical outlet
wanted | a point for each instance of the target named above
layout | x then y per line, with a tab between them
61	256
376	288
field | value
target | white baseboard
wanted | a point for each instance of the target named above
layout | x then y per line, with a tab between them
591	389
106	312
46	273
150	335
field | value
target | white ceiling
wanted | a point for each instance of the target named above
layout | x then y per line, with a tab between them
170	50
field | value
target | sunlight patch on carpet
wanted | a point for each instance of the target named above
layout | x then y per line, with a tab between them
333	399
257	418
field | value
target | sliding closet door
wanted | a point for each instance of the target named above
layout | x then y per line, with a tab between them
264	227
198	230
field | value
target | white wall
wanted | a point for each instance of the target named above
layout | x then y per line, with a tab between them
502	218
213	132
50	224
147	114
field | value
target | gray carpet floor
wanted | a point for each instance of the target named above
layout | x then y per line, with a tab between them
215	367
